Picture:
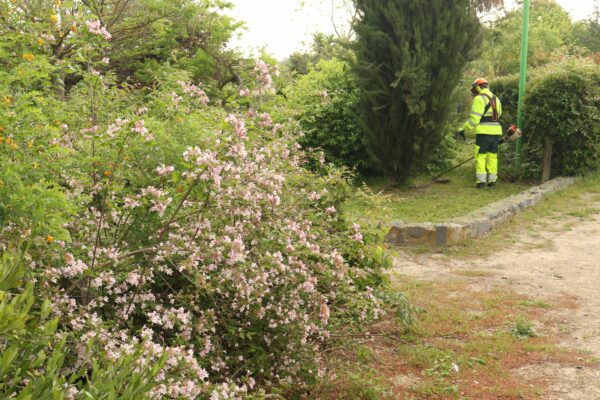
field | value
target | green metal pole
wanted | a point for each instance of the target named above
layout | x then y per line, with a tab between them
523	78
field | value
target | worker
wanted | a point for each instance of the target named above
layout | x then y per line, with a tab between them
484	122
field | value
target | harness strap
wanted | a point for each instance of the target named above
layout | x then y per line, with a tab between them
491	103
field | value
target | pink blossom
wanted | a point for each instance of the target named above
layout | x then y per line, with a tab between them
237	253
160	206
194	92
357	234
202	158
176	99
244	92
338	260
139	127
163	170
330	210
265	120
274	199
237	124
133	278
131	203
261	70
116	126
48	37
95	27
74	268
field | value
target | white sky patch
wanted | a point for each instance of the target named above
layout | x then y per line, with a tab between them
579	9
284	26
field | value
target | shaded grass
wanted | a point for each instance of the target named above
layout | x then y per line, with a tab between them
426	203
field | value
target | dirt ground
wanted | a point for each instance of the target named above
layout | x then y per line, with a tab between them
561	267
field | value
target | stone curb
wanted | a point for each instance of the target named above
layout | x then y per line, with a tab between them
475	224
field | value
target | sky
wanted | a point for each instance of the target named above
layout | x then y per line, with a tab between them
285	26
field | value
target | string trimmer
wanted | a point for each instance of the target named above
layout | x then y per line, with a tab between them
511	134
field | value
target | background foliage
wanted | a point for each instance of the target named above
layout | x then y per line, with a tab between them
561	104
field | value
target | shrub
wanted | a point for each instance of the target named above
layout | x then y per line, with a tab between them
34	355
327	100
178	249
562	103
565	107
200	236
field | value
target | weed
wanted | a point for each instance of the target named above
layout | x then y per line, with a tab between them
535	303
364	354
523	329
366	385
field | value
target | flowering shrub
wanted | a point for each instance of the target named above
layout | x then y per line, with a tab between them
33	354
226	257
184	249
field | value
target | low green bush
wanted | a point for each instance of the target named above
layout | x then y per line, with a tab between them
327	100
565	107
563	104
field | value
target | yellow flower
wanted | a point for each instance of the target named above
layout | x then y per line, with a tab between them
40	41
7	100
28	56
8	140
73	28
107	173
14	146
30	143
50	239
54	18
126	158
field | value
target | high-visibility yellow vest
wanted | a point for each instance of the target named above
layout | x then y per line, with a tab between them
480	121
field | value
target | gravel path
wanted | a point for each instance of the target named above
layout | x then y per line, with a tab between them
562	268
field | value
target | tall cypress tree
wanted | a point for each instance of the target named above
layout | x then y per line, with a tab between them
410	55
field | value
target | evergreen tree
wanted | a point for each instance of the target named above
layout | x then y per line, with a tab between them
410	55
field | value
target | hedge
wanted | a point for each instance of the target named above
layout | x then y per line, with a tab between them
563	104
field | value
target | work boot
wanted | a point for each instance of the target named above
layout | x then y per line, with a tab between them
492	184
480	185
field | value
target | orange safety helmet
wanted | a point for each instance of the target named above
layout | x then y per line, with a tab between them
476	87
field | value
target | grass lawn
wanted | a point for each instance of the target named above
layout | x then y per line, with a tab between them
422	202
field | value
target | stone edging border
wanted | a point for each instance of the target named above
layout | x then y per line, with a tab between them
475	224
